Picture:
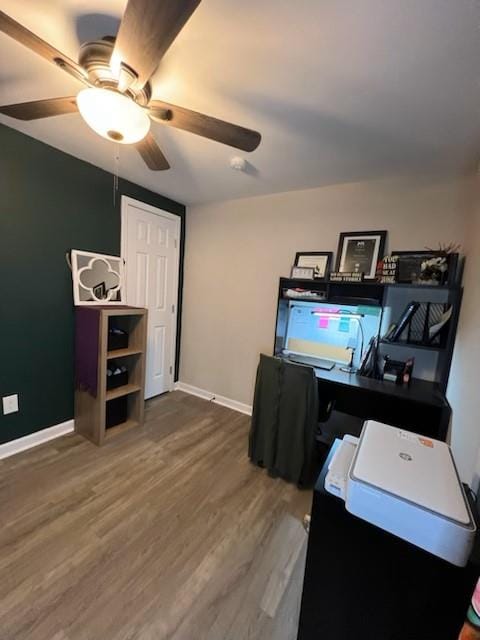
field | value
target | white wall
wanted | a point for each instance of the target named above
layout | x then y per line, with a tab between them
237	250
464	386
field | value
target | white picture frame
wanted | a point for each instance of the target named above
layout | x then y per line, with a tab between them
88	269
302	273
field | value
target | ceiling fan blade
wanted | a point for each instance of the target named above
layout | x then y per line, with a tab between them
202	125
22	35
147	30
152	154
40	108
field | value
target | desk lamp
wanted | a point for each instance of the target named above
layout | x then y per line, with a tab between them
338	315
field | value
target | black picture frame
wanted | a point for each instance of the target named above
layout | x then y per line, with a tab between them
409	265
361	251
310	259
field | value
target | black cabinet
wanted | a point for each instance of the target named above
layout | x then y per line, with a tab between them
362	583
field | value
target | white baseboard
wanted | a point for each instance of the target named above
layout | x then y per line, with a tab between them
213	397
34	439
193	391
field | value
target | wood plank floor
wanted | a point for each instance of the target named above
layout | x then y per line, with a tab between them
166	532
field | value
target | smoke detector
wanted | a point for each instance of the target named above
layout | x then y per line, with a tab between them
238	163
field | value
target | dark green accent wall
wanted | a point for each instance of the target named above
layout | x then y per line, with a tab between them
50	202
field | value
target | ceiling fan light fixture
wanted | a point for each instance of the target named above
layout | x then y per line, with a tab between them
113	115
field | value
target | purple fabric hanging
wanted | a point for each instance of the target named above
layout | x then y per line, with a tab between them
86	348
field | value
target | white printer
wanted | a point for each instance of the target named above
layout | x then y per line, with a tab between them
406	484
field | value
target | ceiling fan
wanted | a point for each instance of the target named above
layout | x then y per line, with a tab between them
116	102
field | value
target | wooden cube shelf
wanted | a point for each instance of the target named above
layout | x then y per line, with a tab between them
91	404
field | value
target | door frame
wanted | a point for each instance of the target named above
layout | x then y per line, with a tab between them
126	201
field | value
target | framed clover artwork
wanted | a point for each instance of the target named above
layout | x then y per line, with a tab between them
98	279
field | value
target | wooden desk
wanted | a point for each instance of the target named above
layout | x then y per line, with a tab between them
421	407
362	583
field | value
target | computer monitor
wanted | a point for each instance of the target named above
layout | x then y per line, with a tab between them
339	333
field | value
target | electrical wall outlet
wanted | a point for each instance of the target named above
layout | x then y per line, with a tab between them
10	404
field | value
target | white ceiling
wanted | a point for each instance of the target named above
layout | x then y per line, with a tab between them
341	90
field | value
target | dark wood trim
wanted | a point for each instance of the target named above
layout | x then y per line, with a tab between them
181	260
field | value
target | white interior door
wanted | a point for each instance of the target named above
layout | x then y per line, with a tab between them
150	247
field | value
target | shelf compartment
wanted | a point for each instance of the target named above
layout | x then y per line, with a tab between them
123	353
125	390
413	345
322	285
427	287
120	428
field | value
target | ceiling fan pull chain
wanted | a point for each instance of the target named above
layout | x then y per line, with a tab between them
116	158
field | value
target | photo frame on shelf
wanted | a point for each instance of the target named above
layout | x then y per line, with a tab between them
302	273
410	267
360	251
319	261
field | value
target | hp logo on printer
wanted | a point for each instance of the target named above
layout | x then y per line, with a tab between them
405	456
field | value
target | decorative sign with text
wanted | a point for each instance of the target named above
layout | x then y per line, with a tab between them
389	270
346	276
